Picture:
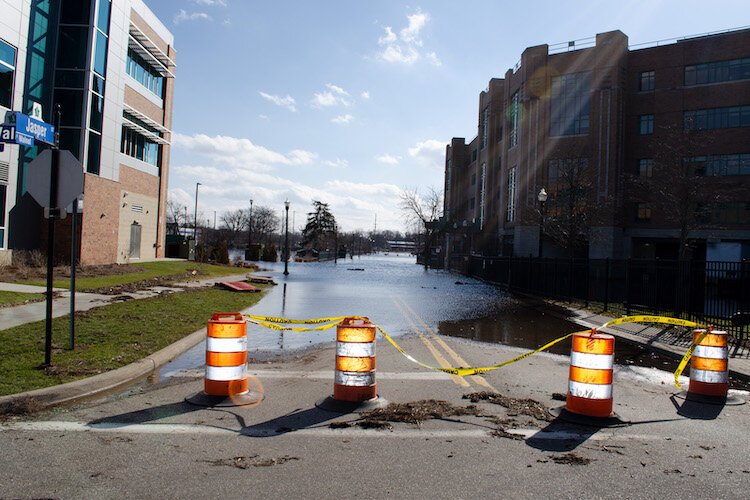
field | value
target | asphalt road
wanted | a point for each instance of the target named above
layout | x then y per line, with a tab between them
149	443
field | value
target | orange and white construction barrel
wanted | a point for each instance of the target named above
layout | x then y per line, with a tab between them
226	381
354	385
590	375
709	365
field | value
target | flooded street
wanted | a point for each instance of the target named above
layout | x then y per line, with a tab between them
395	294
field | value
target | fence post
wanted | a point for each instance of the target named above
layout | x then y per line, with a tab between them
606	284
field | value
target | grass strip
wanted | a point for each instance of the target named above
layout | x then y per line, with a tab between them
8	299
161	271
108	337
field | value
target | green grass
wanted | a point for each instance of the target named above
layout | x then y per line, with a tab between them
176	270
108	337
8	299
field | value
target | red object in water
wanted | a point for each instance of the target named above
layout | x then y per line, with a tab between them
238	286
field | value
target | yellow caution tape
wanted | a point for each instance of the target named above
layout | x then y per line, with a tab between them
287	321
275	323
650	319
687	357
465	371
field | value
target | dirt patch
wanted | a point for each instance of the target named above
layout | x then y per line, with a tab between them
514	406
570	459
413	413
12	274
251	461
20	407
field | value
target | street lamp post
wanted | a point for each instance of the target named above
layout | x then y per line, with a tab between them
195	215
249	231
542	197
286	240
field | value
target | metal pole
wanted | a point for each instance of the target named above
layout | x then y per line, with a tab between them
51	239
73	261
286	241
195	215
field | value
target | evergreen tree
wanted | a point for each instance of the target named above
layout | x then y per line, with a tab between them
320	227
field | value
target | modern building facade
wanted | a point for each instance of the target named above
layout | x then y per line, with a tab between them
109	65
640	151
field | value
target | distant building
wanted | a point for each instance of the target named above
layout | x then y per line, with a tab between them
110	65
616	136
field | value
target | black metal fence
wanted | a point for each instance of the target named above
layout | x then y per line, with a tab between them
706	292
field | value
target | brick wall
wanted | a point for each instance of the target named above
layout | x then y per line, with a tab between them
101	215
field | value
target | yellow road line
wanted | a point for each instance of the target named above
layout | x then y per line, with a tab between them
435	353
479	380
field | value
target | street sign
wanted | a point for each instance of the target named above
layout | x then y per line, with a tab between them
70	178
28	129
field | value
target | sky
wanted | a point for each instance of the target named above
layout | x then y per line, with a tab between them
350	102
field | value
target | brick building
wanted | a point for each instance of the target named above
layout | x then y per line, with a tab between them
642	152
110	65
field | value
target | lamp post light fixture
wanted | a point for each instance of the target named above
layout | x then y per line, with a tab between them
249	231
542	197
195	214
286	240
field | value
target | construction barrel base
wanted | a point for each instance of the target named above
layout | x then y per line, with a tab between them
338	406
728	400
202	399
613	420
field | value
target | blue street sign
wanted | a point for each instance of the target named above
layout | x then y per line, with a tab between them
28	129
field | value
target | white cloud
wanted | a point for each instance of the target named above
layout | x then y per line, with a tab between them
430	146
239	152
365	95
183	15
211	3
405	47
388	159
343	119
338	163
334	96
263	117
233	170
433	58
287	102
429	153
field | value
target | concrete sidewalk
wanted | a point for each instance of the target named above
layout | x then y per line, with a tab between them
671	341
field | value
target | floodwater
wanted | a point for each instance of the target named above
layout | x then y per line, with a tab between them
398	295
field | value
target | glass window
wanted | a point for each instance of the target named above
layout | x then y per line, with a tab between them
70	78
716	72
95	118
648	81
70	139
515	118
7	70
71	106
3	194
94	153
643	212
72	46
720	165
137	146
75	11
102	20
100	54
510	213
144	73
97	85
646	167
717	118
569	104
646	124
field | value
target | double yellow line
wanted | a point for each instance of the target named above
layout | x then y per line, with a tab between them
430	339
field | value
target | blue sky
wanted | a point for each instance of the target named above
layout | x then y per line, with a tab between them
349	102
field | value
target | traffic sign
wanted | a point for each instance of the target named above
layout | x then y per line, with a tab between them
22	129
69	178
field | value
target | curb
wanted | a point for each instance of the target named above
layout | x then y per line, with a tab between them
102	384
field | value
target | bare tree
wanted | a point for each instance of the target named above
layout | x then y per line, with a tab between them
678	185
568	211
235	221
421	213
176	215
265	221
